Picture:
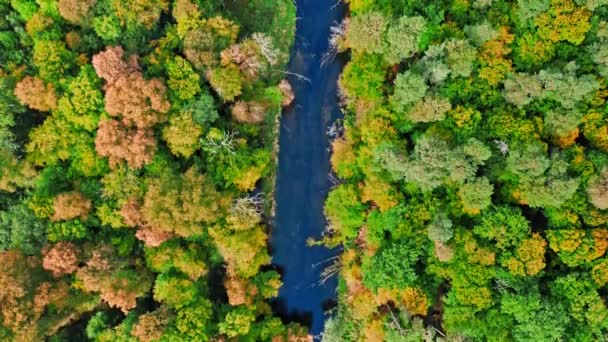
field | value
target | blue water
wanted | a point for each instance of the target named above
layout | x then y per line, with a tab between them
302	176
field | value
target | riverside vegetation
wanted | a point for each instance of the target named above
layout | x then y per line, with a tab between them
474	165
473	202
132	134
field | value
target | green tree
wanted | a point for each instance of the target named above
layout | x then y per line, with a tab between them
181	204
440	229
175	290
344	210
195	320
52	59
481	33
429	109
203	109
82	103
403	38
183	82
226	81
460	56
409	88
237	322
476	195
505	226
20	228
365	32
182	134
392	267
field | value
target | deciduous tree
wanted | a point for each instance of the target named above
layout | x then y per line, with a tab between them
135	146
597	188
71	205
76	11
61	258
34	93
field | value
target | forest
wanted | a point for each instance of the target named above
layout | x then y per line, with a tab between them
137	152
473	202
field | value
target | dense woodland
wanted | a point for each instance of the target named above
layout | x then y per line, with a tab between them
133	134
474	160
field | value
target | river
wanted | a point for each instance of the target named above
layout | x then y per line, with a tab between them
302	181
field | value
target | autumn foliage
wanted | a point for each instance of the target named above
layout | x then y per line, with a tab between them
61	259
37	95
71	205
75	11
119	154
139	102
119	282
121	143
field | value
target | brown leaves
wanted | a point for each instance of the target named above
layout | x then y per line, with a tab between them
597	189
119	282
131	212
17	286
150	326
151	237
287	92
61	258
136	103
120	143
248	112
32	91
239	290
70	205
75	11
246	56
111	65
182	204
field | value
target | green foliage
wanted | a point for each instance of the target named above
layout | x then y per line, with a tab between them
237	322
409	88
82	102
227	82
97	324
183	82
431	164
189	259
175	290
107	27
566	88
52	59
25	8
344	210
441	229
481	33
476	195
20	228
66	230
505	226
492	152
193	321
560	124
365	32
403	38
392	267
203	109
429	109
363	77
460	56
582	300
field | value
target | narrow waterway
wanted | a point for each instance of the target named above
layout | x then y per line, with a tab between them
302	177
